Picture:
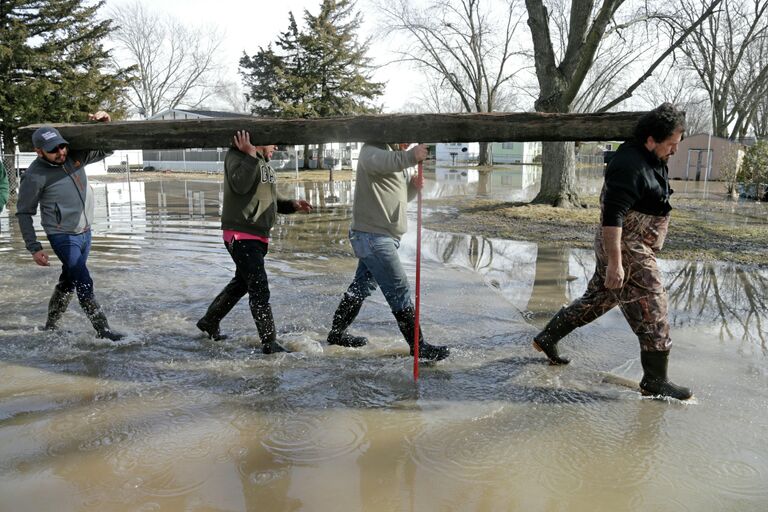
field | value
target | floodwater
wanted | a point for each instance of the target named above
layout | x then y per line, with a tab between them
168	421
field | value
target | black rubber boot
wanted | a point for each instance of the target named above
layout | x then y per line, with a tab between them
554	331
655	381
406	321
99	320
345	314
56	307
221	305
265	323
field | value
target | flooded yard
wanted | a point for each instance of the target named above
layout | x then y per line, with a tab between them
167	420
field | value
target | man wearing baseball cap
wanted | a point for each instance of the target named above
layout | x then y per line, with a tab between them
56	181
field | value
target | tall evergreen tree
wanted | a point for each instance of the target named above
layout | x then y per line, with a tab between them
340	68
319	72
276	79
52	65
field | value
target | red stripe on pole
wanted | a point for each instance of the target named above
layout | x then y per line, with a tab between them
416	337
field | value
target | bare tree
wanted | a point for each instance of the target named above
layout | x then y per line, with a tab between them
434	95
464	45
759	120
562	70
731	295
175	64
233	95
760	124
727	53
680	88
729	169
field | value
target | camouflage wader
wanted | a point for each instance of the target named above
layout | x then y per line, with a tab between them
642	298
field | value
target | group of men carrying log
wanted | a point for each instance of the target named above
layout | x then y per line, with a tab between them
634	220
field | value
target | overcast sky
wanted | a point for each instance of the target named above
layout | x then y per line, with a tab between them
249	24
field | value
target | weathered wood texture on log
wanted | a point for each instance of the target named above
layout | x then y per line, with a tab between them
218	132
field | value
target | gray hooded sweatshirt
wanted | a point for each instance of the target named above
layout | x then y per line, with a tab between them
63	193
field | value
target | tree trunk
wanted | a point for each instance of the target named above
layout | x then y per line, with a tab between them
483	157
305	165
558	177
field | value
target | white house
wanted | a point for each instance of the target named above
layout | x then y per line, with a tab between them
456	153
466	153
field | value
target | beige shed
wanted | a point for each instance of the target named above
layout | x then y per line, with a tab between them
690	161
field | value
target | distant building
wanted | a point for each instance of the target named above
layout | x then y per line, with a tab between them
691	160
466	153
335	155
515	152
177	114
596	153
456	153
189	159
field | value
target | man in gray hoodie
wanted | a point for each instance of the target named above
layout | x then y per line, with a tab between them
56	181
382	191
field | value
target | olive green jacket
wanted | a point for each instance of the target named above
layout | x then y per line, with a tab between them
251	200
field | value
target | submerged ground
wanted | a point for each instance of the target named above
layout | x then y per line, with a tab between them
166	420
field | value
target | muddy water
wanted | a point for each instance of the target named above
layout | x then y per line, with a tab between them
166	420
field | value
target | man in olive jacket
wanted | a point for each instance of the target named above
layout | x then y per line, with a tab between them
251	204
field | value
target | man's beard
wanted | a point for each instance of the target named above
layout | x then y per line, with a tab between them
52	161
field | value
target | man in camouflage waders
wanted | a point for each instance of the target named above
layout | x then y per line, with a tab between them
634	220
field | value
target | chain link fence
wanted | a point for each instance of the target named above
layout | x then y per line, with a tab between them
11	167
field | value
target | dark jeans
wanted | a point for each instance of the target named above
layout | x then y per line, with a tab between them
73	252
250	276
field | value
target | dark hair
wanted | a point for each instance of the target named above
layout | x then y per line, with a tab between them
660	123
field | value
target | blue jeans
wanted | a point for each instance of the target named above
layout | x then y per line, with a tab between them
379	265
73	252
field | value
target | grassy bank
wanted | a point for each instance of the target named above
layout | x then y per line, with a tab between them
704	230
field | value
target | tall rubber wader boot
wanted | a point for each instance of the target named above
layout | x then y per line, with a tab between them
99	320
345	314
655	381
57	306
219	308
546	341
265	323
406	321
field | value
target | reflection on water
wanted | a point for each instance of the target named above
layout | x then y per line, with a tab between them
539	280
508	183
514	183
167	420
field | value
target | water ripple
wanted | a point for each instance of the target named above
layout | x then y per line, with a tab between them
315	437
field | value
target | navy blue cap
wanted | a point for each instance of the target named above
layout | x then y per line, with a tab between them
47	138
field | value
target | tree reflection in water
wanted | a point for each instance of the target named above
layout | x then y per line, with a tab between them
539	279
730	295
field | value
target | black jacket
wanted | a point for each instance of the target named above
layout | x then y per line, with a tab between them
635	179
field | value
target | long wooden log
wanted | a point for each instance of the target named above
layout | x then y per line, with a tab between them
218	132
